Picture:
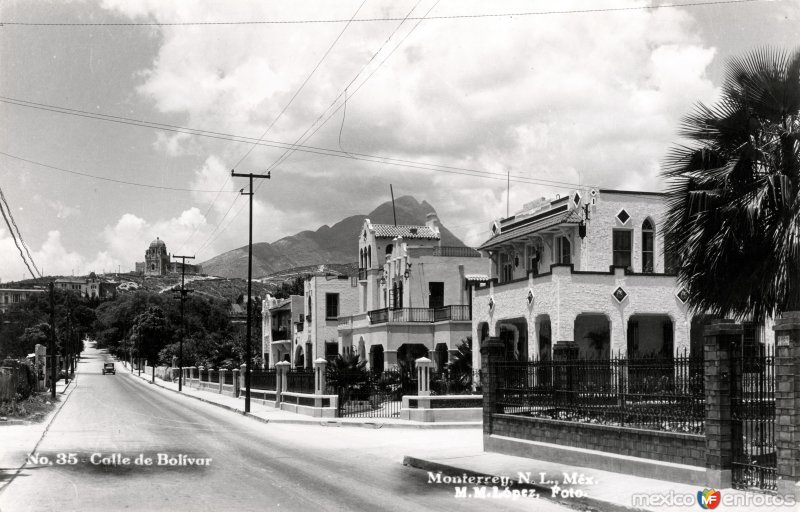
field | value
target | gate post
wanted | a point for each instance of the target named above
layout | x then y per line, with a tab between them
320	380
235	373
565	352
222	372
280	380
787	402
722	337
424	366
491	352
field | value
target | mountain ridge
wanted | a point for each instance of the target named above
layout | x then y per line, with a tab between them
335	243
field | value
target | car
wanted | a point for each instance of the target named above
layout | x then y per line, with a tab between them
109	368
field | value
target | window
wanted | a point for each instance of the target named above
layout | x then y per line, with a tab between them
670	257
623	243
506	270
564	248
331	306
308	311
435	295
648	261
533	259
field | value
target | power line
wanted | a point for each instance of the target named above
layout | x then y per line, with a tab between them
113	180
299	89
376	19
375	54
381	159
19	233
13	236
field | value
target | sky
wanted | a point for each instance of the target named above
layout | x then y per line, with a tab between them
556	101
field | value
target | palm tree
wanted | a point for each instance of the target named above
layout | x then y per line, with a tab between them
733	205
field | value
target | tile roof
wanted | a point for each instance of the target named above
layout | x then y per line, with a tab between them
571	217
390	231
481	278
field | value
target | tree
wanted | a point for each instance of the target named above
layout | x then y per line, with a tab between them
733	202
150	333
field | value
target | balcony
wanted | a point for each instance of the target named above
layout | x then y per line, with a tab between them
420	315
462	252
280	334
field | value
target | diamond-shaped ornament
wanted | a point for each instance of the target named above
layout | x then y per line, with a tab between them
623	216
619	294
683	295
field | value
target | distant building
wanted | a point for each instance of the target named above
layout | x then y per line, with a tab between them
90	287
9	297
282	325
157	262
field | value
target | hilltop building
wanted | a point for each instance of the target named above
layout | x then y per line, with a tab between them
157	262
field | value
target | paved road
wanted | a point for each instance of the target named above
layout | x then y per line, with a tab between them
252	466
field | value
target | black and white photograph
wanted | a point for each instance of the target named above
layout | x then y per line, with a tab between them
402	255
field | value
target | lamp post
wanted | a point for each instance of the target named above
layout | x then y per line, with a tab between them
249	283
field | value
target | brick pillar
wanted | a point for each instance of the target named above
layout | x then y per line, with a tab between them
320	380
424	367
236	382
222	372
491	352
722	338
281	369
787	402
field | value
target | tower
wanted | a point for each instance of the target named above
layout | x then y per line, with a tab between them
156	259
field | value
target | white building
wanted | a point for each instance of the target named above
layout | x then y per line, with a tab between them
587	268
282	323
413	298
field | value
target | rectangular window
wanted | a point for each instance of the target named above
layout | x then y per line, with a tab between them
648	260
506	270
436	295
623	244
533	259
331	306
564	248
670	258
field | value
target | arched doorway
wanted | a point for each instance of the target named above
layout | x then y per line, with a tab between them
544	334
376	358
592	334
514	334
441	357
650	335
299	359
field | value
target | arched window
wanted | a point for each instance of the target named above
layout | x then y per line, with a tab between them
369	257
389	249
648	246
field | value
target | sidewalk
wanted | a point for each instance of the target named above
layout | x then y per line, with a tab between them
17	440
269	414
601	490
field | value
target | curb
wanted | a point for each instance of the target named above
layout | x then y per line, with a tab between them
322	422
50	421
583	503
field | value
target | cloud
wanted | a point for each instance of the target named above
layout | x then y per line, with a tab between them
590	98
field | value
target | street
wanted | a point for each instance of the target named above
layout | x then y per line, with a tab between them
206	458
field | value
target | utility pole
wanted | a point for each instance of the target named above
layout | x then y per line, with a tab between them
184	291
249	283
53	358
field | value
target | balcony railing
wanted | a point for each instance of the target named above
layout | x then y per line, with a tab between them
464	252
420	315
279	335
345	322
454	312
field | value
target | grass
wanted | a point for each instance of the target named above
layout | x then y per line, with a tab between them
33	409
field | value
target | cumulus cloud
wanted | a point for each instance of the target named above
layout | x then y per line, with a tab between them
588	98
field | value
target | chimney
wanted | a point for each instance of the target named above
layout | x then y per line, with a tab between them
432	221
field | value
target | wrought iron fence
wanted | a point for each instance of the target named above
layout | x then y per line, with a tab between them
300	381
753	418
652	392
365	393
451	381
213	376
262	379
228	378
203	375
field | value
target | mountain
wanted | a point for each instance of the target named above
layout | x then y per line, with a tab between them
328	244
